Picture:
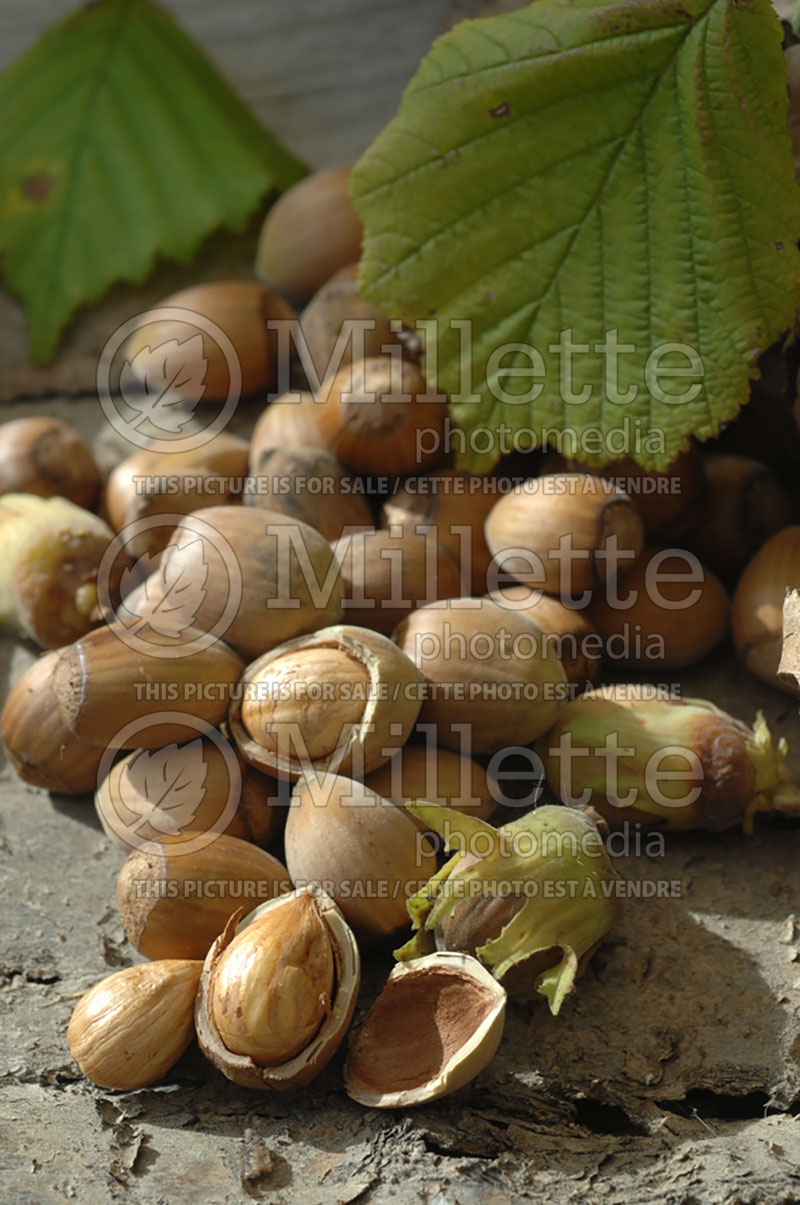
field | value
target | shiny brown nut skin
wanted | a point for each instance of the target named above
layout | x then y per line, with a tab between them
493	680
668	501
94	687
38	744
325	317
203	785
288	422
377	415
566	533
387	574
309	233
669	624
453	507
310	485
149	483
175	905
267	577
241	309
438	776
575	638
368	854
40	455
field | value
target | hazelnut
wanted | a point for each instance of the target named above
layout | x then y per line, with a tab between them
132	1026
343	698
172	483
438	776
241	309
493	679
372	415
278	991
388	574
38	744
566	533
202	786
95	684
453	508
668	613
50	552
757	614
368	854
310	485
43	456
288	422
310	232
165	909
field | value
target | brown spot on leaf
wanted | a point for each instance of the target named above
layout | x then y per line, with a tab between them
36	188
501	110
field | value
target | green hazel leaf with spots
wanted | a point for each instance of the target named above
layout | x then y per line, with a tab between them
612	176
119	142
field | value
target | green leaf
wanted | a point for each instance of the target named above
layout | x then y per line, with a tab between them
119	141
591	167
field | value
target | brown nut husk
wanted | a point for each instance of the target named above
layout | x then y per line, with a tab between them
132	1026
669	612
372	413
324	322
95	687
308	484
266	578
574	638
309	233
148	483
493	679
241	309
278	991
342	699
39	746
44	456
50	553
438	776
453	507
367	853
200	787
435	1026
745	505
288	422
175	901
566	533
388	574
757	613
668	501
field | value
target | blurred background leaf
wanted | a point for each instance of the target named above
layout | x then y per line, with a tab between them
119	142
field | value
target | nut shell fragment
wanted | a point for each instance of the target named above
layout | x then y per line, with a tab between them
435	1026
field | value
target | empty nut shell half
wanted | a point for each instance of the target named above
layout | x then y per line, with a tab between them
270	1005
341	699
435	1026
